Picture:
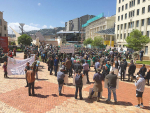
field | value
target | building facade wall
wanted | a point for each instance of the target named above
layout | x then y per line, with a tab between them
134	16
98	25
3	26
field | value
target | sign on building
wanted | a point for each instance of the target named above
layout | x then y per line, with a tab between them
67	49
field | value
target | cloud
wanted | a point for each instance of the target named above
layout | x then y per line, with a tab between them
62	22
45	26
31	24
39	4
16	25
51	27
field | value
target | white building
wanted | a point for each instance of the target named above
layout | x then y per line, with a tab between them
132	14
3	26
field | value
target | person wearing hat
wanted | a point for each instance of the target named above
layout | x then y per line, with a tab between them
97	84
26	69
140	86
112	83
60	79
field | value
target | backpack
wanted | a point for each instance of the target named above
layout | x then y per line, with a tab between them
78	79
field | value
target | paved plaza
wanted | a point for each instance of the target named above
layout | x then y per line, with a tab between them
14	96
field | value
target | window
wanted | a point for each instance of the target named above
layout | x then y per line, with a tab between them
126	16
0	22
125	25
118	18
148	33
117	36
118	9
5	35
142	32
129	14
118	27
143	10
119	45
132	24
137	23
130	4
149	8
146	50
138	11
138	2
121	36
142	22
148	21
122	7
121	17
122	0
129	25
128	34
143	0
121	26
126	6
133	13
4	27
125	36
119	1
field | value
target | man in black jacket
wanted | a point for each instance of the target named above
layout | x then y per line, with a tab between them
131	71
105	72
122	66
143	70
77	66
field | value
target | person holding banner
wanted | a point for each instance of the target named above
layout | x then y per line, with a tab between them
112	83
97	84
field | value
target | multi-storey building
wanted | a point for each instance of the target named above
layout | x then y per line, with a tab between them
132	14
3	26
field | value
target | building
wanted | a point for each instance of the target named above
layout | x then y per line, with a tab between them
3	26
101	26
74	33
132	14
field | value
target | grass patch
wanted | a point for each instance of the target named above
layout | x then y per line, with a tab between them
143	62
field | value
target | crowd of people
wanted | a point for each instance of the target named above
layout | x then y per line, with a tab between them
108	64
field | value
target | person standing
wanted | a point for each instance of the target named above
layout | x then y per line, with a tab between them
97	84
140	86
50	65
86	70
108	66
112	83
97	65
56	65
89	62
122	69
143	70
60	79
5	70
79	84
131	71
141	55
14	52
148	76
27	68
31	79
69	66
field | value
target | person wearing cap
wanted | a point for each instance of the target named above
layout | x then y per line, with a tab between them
26	69
97	84
112	83
60	79
131	70
86	70
140	86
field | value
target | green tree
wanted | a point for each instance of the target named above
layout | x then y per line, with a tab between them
136	40
98	41
25	39
88	41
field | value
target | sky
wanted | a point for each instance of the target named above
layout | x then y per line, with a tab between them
39	14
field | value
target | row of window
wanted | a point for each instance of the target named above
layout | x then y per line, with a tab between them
131	24
131	4
132	13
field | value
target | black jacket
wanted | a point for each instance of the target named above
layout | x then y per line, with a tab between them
132	69
77	66
122	66
142	71
50	63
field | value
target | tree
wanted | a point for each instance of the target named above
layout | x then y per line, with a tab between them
98	41
88	41
136	40
25	39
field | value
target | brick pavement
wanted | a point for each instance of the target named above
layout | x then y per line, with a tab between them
14	96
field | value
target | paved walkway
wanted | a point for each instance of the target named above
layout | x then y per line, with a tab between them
14	96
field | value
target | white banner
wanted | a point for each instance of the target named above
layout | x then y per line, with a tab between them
16	67
67	49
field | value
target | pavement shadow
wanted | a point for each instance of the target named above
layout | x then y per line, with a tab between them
41	79
70	84
41	96
146	107
15	78
68	95
38	87
54	95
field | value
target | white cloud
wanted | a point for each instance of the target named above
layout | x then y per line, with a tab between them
16	25
51	27
62	22
31	24
39	4
45	26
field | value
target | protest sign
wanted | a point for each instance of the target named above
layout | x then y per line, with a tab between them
16	67
67	49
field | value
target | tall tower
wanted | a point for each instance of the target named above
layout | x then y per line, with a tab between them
21	27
